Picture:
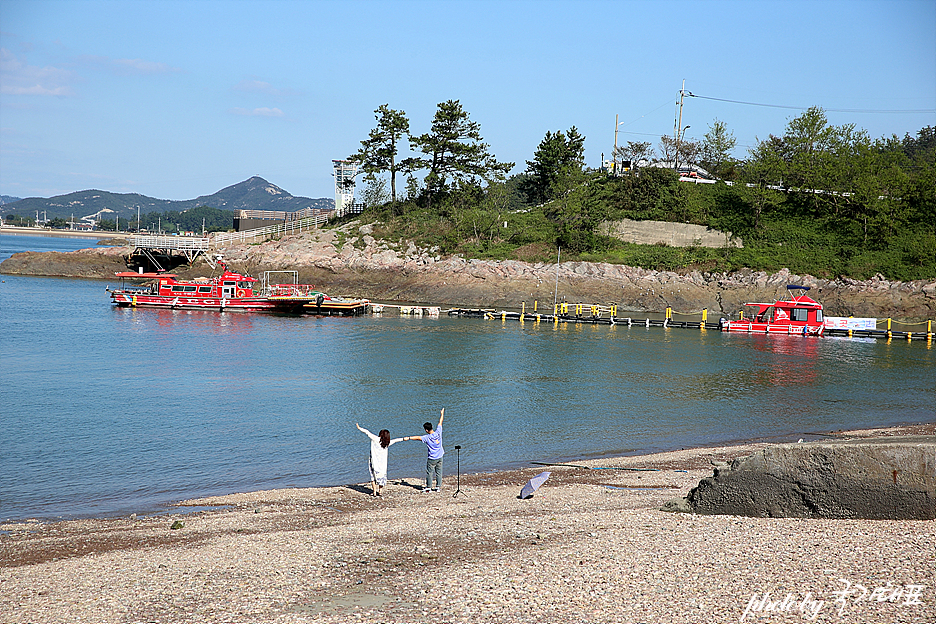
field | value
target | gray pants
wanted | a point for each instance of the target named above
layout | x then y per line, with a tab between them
434	470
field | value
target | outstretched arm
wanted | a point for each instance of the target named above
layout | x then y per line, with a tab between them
362	429
441	417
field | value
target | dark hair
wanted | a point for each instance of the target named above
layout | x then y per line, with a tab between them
427	426
384	438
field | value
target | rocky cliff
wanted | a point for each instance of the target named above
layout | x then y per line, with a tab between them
349	261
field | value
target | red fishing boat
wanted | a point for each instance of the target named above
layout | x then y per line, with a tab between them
229	291
799	314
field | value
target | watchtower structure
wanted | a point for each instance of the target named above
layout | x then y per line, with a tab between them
345	172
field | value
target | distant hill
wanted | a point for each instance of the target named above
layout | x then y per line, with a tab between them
8	199
252	194
257	194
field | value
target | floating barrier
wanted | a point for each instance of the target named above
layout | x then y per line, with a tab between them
607	315
588	319
380	308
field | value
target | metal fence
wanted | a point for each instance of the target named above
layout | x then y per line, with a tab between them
271	231
181	243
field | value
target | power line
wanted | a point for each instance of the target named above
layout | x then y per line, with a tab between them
829	110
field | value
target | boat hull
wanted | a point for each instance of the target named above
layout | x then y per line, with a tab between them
129	299
773	328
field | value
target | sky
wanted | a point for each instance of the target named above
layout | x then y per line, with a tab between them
179	99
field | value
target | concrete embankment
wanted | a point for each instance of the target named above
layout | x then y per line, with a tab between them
349	261
872	478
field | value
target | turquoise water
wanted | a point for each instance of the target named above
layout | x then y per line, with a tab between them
110	411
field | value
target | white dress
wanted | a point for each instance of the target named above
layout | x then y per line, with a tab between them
378	457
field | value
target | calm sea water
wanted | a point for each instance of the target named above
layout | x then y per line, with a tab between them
107	411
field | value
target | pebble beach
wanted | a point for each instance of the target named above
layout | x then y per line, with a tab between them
591	545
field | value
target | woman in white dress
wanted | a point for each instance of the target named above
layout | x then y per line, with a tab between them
379	450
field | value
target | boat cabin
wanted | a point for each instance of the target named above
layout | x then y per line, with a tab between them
228	285
798	310
783	312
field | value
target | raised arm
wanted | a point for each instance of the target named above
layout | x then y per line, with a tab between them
362	429
441	417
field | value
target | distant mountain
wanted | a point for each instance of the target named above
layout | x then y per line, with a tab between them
257	194
252	194
8	199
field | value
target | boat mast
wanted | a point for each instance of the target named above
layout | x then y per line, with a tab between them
556	291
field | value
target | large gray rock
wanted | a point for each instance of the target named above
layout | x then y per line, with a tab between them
874	478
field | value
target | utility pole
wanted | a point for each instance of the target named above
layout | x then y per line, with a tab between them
614	153
679	130
679	126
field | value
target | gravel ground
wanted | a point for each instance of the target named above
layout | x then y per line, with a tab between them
589	546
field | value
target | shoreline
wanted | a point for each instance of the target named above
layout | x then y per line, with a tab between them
170	507
350	262
29	231
590	546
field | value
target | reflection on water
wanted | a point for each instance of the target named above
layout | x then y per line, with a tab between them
115	410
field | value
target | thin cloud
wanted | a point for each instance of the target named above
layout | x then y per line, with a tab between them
136	67
19	78
260	86
257	112
139	66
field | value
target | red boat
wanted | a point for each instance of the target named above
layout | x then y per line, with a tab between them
228	292
797	315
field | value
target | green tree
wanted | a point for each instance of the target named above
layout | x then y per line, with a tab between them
454	152
667	149
716	148
807	149
761	176
921	168
578	208
556	153
635	152
375	193
645	195
378	153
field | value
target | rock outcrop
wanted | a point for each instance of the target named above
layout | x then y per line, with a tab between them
872	478
350	261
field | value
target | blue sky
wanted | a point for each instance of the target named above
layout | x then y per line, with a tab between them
179	99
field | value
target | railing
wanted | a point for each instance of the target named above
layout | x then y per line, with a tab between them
279	229
301	291
184	243
279	215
